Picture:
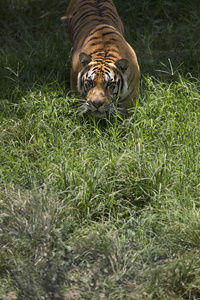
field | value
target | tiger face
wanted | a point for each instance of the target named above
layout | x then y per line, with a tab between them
102	85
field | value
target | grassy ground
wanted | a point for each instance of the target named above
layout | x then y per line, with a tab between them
108	210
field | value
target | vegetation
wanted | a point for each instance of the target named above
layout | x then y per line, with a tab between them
107	210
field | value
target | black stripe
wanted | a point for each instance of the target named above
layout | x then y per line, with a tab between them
107	69
112	55
99	60
100	54
81	80
131	81
122	80
98	29
108	75
111	42
95	68
109	60
96	51
92	38
130	93
111	32
96	43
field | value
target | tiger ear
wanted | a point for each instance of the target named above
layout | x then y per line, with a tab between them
84	58
122	64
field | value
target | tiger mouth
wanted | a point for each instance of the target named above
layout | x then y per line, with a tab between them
97	114
100	113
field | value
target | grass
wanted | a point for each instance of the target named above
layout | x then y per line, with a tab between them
106	210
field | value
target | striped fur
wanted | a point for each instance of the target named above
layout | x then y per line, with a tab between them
105	71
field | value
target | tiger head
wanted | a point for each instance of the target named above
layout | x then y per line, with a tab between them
103	85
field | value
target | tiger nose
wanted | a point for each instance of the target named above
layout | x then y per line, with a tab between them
97	103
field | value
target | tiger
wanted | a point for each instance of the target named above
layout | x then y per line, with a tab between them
105	71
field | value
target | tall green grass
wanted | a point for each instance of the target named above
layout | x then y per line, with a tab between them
99	210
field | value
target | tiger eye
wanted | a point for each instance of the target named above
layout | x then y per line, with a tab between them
89	84
109	83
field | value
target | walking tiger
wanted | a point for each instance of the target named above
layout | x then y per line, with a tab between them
105	70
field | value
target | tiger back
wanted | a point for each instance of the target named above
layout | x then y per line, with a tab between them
105	71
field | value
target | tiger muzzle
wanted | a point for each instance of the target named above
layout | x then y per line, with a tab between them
97	100
98	103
